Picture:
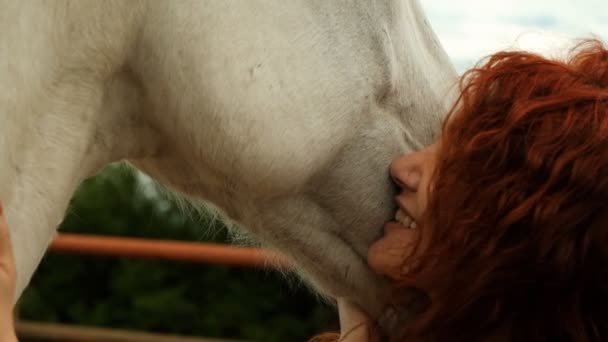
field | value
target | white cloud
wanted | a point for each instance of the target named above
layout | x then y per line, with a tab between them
472	29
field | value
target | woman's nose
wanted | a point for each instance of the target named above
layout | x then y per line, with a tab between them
405	172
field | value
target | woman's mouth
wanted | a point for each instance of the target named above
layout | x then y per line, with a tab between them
405	220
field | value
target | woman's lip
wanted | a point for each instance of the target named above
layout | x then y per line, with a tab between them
392	226
403	206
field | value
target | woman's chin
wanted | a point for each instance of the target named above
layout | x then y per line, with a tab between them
387	254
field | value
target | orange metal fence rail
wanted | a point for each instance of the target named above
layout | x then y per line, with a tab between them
194	252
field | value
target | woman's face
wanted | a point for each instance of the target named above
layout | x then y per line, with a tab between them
412	174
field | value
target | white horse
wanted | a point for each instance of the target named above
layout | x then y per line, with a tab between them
283	114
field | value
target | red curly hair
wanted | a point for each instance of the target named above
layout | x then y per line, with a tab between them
516	228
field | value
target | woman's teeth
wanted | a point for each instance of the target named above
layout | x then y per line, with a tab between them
405	219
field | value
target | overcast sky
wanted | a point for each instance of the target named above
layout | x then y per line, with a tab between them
471	29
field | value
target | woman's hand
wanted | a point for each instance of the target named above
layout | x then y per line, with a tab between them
8	281
355	325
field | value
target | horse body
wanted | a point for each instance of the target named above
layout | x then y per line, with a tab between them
283	115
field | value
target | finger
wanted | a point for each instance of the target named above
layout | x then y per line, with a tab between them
350	314
355	325
6	251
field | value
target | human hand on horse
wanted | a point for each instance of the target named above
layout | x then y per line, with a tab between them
7	282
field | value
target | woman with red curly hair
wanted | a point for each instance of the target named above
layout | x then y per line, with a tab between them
509	208
503	222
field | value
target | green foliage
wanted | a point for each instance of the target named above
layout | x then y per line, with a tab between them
159	296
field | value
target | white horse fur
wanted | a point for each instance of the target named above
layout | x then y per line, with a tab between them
283	114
